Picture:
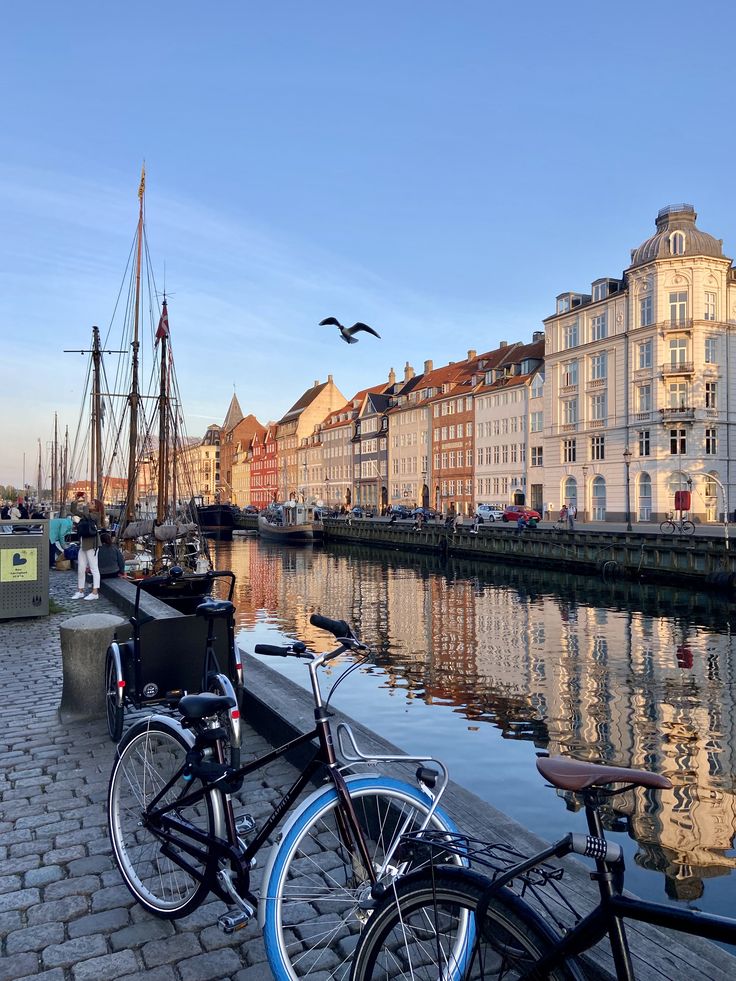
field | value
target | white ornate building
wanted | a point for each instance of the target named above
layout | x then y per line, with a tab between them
637	382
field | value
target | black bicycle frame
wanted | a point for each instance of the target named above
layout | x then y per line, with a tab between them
165	826
608	917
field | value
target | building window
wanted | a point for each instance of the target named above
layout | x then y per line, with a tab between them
598	407
644	398
600	291
711	350
537	386
598	366
678	351
536	456
569	450
599	499
644	445
646	316
678	442
645	497
496	455
598	448
711	442
711	395
570	373
535	424
678	308
570	335
710	306
677	243
563	304
570	412
678	395
645	354
599	327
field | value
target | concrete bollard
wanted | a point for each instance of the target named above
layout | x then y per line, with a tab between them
84	642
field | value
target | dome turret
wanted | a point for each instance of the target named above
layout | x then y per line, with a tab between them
676	234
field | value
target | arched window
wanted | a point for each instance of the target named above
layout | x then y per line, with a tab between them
599	499
644	488
570	492
677	243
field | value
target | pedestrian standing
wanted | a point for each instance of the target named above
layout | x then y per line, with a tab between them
570	517
87	523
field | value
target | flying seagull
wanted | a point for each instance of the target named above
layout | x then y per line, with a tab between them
347	332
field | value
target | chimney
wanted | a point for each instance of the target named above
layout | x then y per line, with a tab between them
392	377
471	355
408	372
427	367
329	379
315	383
538	335
503	344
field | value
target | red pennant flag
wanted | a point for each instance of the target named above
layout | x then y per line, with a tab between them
163	324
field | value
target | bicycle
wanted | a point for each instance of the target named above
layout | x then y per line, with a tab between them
175	836
419	928
681	525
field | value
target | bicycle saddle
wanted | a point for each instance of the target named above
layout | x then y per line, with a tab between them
195	707
566	774
215	608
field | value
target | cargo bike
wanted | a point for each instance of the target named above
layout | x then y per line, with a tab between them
164	659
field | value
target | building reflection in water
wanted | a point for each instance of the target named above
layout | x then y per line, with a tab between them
618	673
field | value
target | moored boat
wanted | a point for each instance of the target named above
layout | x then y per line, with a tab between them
290	522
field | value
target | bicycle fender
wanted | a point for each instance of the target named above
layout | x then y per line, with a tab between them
318	799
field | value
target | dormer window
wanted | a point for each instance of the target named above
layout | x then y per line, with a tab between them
600	291
677	243
563	303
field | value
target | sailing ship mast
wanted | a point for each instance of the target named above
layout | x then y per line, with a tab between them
96	479
162	335
54	465
134	396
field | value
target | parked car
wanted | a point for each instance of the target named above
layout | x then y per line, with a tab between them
429	513
489	512
512	512
361	512
400	510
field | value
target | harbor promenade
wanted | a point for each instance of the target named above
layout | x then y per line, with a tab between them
64	913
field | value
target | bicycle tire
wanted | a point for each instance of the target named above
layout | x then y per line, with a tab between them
310	908
667	527
687	528
413	933
151	752
113	703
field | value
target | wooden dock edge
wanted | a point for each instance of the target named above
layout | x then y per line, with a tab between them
279	709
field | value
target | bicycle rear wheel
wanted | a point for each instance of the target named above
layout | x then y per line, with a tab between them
316	897
168	882
419	931
667	527
687	528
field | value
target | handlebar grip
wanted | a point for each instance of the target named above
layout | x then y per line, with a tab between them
338	628
272	650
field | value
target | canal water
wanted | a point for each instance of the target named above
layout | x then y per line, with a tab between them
485	665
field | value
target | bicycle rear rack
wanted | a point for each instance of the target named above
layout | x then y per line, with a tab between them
352	754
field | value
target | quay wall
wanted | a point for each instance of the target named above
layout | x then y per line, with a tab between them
702	562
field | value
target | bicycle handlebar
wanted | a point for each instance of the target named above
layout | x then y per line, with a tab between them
338	628
297	649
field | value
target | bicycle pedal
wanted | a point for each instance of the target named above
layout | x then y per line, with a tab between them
230	922
245	824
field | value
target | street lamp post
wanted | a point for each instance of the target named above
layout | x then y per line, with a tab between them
724	491
627	462
585	492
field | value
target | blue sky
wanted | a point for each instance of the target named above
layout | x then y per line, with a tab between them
439	171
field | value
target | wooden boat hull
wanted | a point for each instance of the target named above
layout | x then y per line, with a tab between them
303	534
217	521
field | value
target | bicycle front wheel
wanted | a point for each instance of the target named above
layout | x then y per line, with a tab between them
169	882
667	527
317	898
419	931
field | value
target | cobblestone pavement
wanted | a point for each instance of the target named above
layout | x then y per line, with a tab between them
65	914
